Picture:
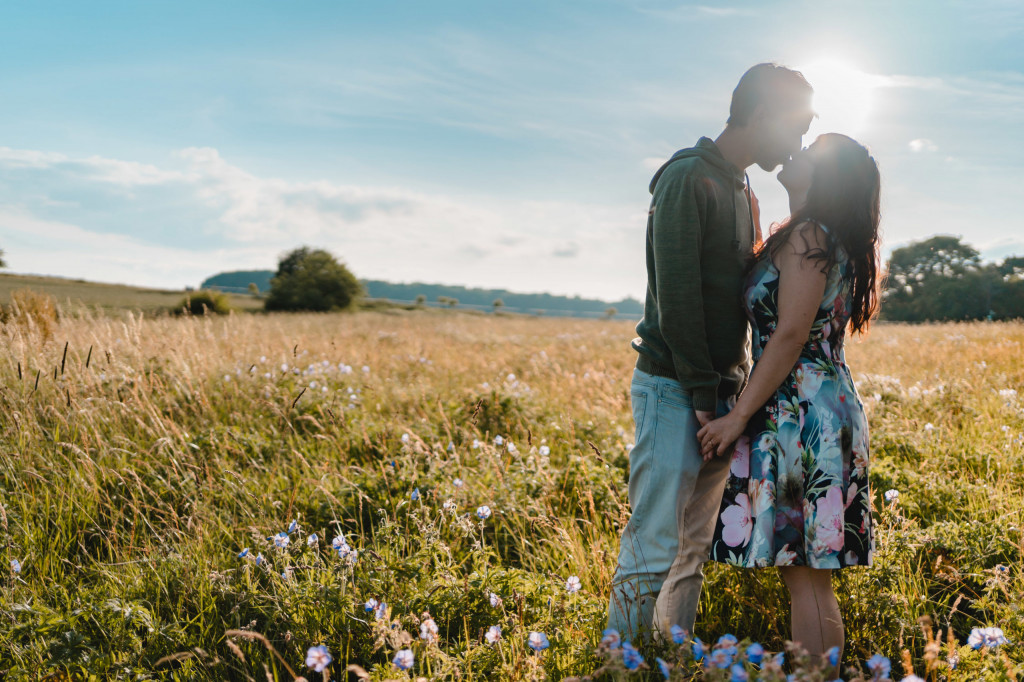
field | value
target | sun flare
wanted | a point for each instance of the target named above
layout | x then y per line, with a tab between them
843	96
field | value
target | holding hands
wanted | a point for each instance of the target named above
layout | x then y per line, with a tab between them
718	436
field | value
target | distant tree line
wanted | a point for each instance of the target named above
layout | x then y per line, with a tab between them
943	279
447	295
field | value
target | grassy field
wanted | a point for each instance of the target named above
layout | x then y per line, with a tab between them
141	459
72	293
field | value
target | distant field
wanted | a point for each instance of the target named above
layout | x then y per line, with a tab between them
73	293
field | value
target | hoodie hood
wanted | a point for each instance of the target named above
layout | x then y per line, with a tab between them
707	151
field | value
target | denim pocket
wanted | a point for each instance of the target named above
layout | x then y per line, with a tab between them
675	396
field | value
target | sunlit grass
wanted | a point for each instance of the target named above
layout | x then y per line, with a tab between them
130	486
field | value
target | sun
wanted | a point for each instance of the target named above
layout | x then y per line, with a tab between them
843	96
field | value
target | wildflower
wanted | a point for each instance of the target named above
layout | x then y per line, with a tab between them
370	605
727	641
484	512
451	446
366	369
476	444
512	447
572	585
244	553
631	658
544	450
495	600
428	630
380	612
450	506
499	441
259	559
415	495
720	658
698	650
15	565
281	540
312	540
929	427
318	658
404	659
664	668
833	656
755	653
679	635
510	378
286	574
284	367
879	666
610	638
976	640
293	526
911	678
994	637
344	550
457	483
538	641
738	673
338	541
493	634
892	495
351	557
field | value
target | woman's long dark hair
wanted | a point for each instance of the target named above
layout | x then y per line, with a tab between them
844	196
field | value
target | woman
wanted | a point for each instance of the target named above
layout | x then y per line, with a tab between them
797	495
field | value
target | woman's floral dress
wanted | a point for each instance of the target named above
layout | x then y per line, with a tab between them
797	493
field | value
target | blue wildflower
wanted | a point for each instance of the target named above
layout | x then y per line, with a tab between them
404	659
259	559
755	653
538	641
318	658
611	639
281	540
312	540
631	658
415	495
370	604
738	673
720	659
293	526
879	666
483	512
679	635
727	641
698	650
833	656
15	565
381	611
664	668
244	553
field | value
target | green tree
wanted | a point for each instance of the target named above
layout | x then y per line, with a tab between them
940	278
421	301
254	289
3	263
611	312
312	279
498	304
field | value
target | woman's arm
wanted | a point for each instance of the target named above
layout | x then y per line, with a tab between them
801	286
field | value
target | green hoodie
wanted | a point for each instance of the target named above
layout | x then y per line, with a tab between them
699	236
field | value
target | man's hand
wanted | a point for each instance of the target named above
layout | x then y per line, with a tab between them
704	417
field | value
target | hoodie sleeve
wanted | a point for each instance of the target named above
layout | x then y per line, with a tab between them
679	216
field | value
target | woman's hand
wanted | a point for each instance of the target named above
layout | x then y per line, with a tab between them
718	436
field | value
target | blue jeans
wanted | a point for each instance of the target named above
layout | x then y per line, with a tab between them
675	500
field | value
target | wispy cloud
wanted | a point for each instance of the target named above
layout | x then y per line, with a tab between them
382	232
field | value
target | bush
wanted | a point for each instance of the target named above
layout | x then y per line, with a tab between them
31	310
312	279
203	302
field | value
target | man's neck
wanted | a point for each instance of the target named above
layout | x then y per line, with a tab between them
734	148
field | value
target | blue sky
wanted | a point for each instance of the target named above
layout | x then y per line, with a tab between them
488	144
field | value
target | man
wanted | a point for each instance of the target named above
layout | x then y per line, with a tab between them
692	346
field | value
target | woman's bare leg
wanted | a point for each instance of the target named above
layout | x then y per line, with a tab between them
816	621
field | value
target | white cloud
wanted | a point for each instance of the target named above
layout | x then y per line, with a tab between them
247	220
923	145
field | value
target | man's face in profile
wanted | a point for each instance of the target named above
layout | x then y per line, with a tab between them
782	136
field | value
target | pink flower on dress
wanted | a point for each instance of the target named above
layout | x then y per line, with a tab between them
828	521
785	557
737	522
851	495
740	466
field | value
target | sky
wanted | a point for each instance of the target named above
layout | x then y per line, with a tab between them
493	144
